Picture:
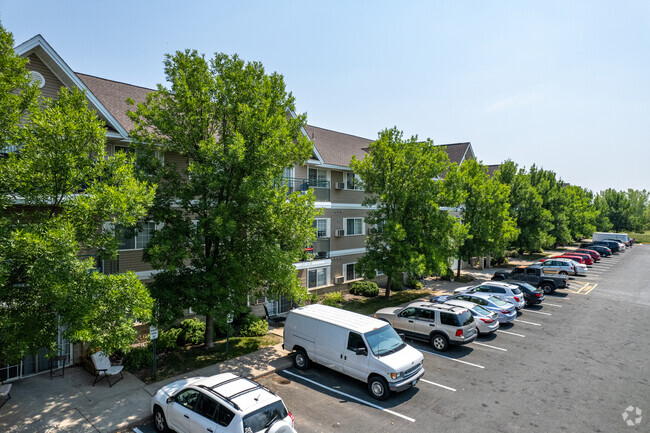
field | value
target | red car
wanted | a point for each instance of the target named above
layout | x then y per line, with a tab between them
586	257
594	254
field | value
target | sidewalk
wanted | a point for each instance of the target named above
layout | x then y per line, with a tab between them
72	405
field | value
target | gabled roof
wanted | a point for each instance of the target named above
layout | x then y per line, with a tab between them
337	148
492	168
459	152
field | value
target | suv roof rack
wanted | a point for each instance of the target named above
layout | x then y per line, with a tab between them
229	398
439	305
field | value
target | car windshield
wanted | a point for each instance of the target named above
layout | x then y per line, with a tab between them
498	302
480	310
384	341
528	286
261	419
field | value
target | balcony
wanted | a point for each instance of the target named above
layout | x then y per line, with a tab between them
319	249
321	187
106	267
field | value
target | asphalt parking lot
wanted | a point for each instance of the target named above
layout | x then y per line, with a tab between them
574	364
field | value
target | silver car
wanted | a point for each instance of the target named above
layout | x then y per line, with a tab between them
506	312
505	291
557	266
486	320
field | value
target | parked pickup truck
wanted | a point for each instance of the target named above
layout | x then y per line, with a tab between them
534	275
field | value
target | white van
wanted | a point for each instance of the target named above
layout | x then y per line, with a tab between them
362	347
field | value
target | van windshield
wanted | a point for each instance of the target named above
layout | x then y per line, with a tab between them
384	341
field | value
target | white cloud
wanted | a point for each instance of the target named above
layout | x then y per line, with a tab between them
513	102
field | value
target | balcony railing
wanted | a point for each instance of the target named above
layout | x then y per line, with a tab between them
319	249
321	187
106	267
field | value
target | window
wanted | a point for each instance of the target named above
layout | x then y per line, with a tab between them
207	407
350	272
352	181
355	341
322	227
133	239
187	398
428	315
448	319
261	419
353	226
408	312
317	277
317	178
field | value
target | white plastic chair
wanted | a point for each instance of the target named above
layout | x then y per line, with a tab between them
104	369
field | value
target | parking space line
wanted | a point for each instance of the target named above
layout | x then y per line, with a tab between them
437	384
589	290
452	359
511	333
491	347
553	305
367	403
538	312
137	430
528	323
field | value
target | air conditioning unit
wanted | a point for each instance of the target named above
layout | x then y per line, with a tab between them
339	185
339	232
339	279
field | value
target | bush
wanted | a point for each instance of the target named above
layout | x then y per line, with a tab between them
333	299
138	357
192	331
514	253
365	288
168	340
253	326
414	283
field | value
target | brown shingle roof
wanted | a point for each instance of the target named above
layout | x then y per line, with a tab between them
456	151
336	147
492	168
113	94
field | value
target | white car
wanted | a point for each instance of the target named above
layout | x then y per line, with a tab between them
486	321
225	403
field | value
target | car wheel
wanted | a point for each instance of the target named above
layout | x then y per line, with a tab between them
439	342
547	288
564	273
159	421
378	388
301	360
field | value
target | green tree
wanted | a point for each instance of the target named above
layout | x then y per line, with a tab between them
582	215
555	201
638	204
527	208
230	230
408	181
618	207
603	224
58	190
485	213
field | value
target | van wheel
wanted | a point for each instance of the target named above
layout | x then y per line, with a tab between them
301	360
439	342
378	388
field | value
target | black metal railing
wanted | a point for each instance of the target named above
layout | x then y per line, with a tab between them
321	187
106	267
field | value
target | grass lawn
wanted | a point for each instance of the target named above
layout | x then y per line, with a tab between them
641	237
370	305
193	358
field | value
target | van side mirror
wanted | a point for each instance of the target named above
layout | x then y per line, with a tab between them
361	351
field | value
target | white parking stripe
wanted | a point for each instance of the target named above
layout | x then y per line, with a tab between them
367	403
452	359
491	347
137	430
511	333
552	305
538	312
528	323
437	384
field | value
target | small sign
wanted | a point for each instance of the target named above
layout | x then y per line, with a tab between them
229	318
153	332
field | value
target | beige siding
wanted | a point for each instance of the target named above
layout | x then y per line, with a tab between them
338	262
300	171
131	260
52	84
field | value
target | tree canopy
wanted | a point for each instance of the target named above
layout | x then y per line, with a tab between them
229	229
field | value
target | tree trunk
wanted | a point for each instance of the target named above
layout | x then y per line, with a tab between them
209	331
459	260
388	281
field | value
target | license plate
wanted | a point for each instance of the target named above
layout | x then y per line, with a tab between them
414	382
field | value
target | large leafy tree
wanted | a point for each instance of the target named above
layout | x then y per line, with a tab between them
408	181
58	190
555	201
618	208
581	213
527	208
490	227
229	228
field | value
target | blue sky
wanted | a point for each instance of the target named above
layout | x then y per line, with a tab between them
562	84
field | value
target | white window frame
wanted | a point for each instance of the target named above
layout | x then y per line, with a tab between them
345	226
327	176
328	227
156	227
326	269
345	272
345	180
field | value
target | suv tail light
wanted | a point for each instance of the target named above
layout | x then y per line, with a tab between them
459	332
487	320
291	416
516	298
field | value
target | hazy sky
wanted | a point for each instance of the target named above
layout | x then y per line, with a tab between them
561	84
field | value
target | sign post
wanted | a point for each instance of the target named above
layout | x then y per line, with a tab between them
229	319
153	335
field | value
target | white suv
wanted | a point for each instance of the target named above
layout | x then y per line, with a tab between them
224	403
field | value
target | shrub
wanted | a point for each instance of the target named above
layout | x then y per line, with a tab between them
365	288
253	326
192	331
333	299
138	357
168	340
414	283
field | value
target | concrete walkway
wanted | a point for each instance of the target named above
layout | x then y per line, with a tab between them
71	404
